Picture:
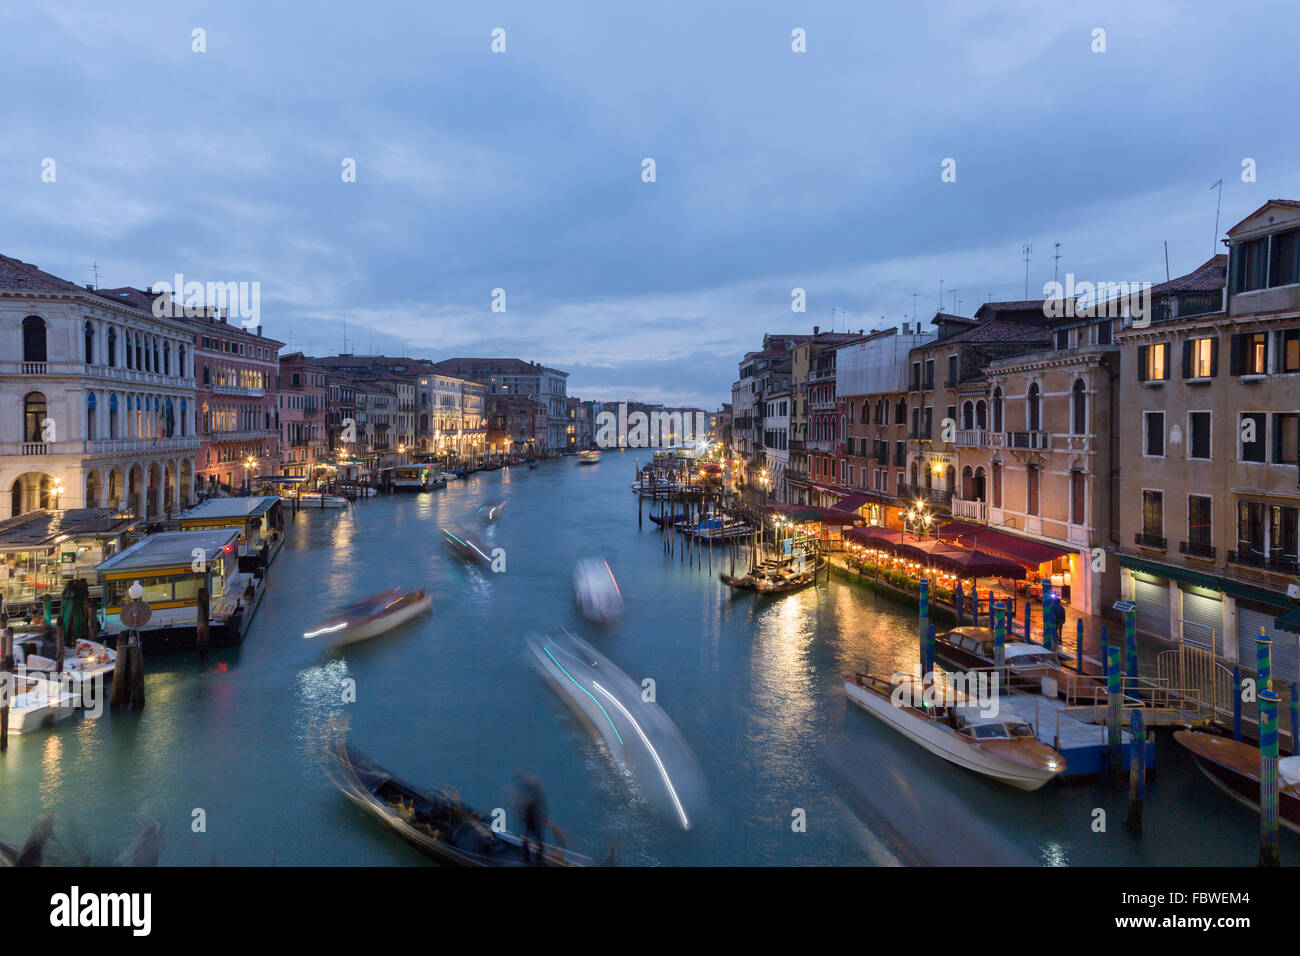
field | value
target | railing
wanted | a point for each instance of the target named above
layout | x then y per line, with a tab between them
976	510
1197	549
972	437
929	495
1041	441
99	446
1270	562
238	390
33	368
1149	541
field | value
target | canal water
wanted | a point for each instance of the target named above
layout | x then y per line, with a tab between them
451	700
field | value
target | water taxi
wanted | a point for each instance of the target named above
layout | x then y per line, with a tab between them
1002	749
491	510
1032	665
317	499
371	617
37	701
1233	767
88	660
467	547
588	457
596	592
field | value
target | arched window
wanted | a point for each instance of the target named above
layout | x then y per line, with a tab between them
997	484
156	367
91	432
34	414
33	339
185	416
981	415
207	376
900	415
997	409
167	358
968	415
950	479
139	351
914	482
111	337
1034	409
112	415
88	333
180	361
1079	408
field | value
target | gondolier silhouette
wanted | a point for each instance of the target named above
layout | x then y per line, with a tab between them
531	802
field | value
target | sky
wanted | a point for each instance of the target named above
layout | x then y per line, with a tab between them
523	170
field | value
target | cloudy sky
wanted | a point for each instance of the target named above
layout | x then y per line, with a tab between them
522	170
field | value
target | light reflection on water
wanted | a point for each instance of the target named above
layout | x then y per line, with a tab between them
754	684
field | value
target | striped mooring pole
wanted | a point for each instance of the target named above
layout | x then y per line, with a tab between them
1295	716
1029	620
1236	702
1114	734
959	600
1268	846
927	664
999	634
1264	661
1137	772
1078	645
1105	652
925	621
1131	642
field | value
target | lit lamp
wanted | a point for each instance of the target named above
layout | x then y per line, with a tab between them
135	591
57	491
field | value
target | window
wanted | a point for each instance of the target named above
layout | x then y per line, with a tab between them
1153	362
1199	358
929	373
1198	435
1079	408
1153	514
927	423
1078	498
33	339
1063	339
1286	432
1154	432
952	369
112	347
916	376
1033	409
1282	532
1200	528
1103	333
34	414
1031	490
1288	350
1252	431
1250	353
997	409
1248	262
1284	262
1250	529
88	335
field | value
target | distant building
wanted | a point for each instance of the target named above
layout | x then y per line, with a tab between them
510	376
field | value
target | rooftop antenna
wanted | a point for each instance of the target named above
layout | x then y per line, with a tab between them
94	266
1214	246
913	305
1027	250
1167	259
1056	261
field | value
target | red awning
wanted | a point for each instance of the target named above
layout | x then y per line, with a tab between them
1028	553
938	553
852	502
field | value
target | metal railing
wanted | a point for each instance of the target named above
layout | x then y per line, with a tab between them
1040	441
1197	549
972	437
1149	541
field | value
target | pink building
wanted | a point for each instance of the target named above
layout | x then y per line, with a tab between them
304	441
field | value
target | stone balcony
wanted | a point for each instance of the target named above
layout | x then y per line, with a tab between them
972	438
970	509
101	446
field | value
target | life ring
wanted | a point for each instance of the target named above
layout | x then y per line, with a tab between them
84	649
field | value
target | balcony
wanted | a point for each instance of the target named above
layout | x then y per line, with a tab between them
33	368
972	437
1143	540
100	446
238	391
1040	441
931	496
1197	549
974	510
112	374
1278	563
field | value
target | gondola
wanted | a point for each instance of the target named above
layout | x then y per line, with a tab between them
741	583
435	823
785	582
1233	767
669	520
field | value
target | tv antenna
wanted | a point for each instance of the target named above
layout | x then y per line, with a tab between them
94	269
1214	246
1027	250
1056	261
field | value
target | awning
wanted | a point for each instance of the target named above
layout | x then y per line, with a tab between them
1237	589
852	502
991	541
1290	621
937	553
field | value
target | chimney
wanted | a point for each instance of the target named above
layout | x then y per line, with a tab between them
90	287
907	328
816	329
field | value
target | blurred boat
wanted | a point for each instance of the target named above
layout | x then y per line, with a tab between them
466	547
588	457
999	748
371	616
491	510
596	592
639	736
1233	767
435	823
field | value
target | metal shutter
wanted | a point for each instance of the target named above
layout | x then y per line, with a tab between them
1152	597
1286	654
1202	614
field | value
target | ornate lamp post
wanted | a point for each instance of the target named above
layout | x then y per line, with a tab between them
917	520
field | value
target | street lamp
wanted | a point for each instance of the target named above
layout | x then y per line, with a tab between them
249	464
917	518
56	490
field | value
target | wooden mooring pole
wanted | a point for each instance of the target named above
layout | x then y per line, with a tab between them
1137	775
6	677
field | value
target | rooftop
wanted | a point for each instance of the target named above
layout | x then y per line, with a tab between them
44	529
249	507
174	549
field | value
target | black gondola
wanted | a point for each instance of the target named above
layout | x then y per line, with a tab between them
433	822
669	520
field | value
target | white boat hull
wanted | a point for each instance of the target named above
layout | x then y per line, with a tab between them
941	742
365	630
331	501
40	707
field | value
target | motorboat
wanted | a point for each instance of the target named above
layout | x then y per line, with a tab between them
589	458
638	736
954	727
317	499
371	616
596	592
436	823
38	700
491	510
1031	665
85	660
467	547
1233	767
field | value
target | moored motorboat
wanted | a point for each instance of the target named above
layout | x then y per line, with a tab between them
37	700
316	499
1233	767
1031	665
435	823
371	617
999	748
86	660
